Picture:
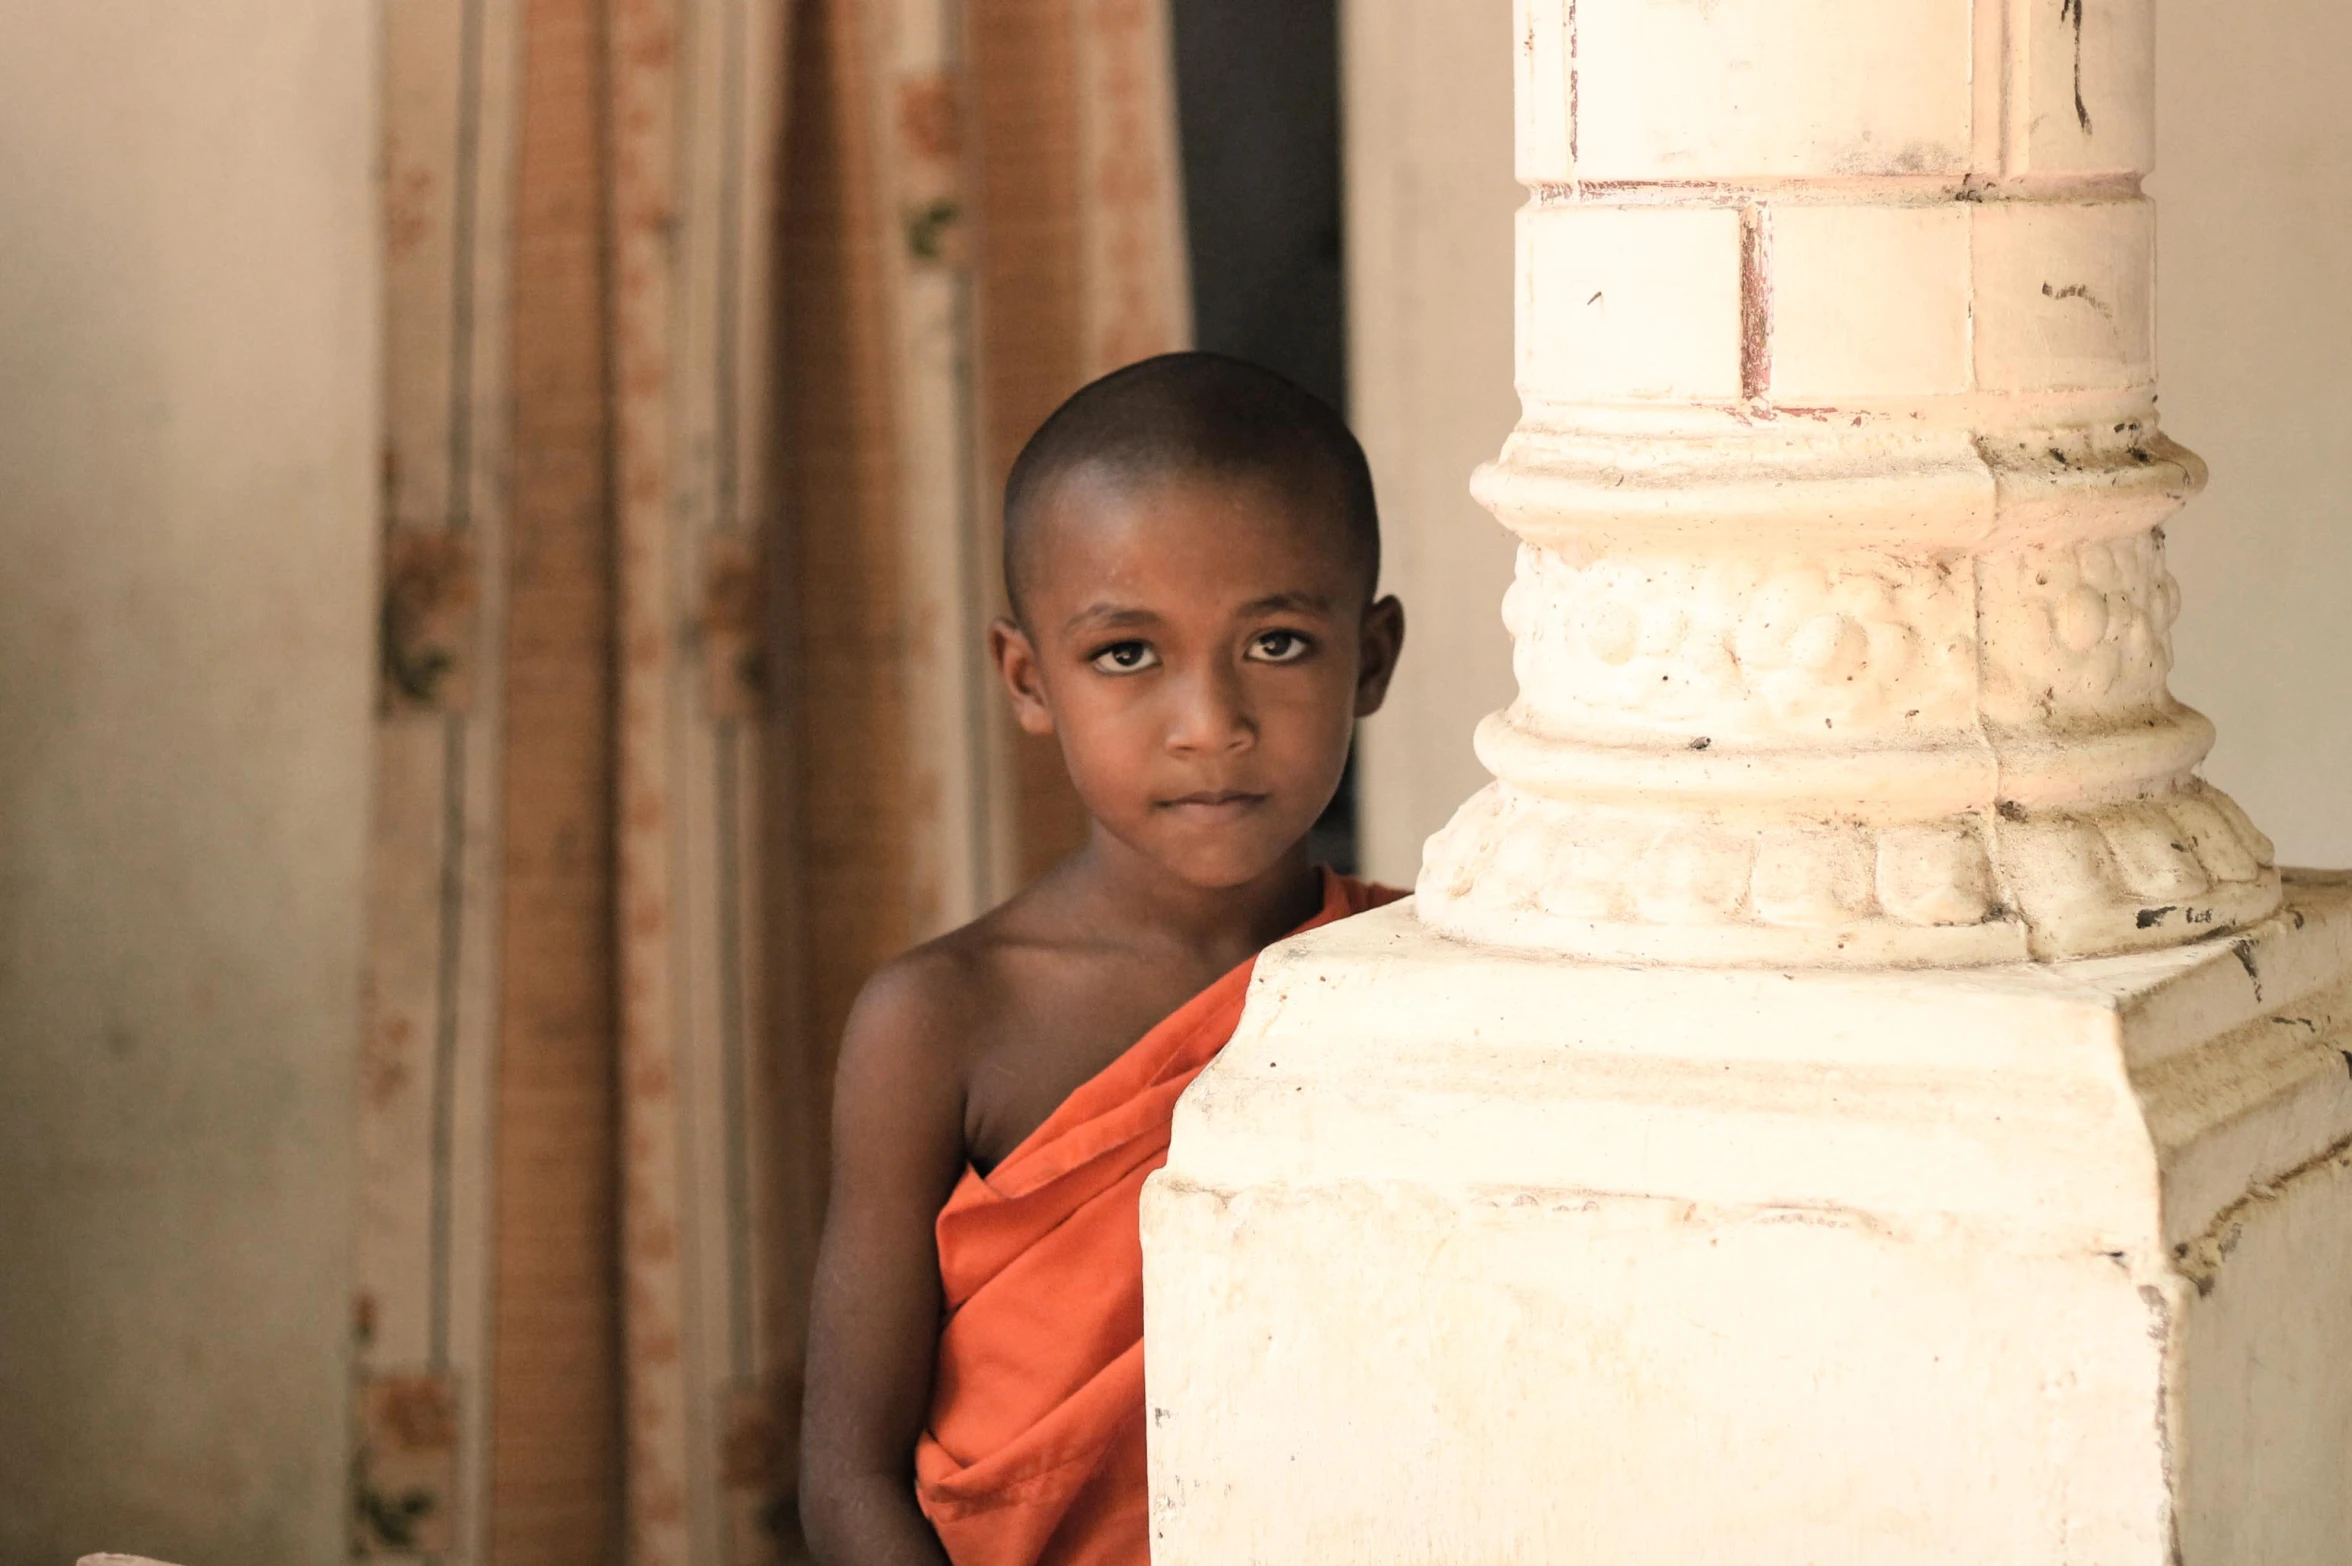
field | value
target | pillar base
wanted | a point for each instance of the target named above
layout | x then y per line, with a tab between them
1480	1257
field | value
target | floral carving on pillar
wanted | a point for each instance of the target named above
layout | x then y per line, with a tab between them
1842	622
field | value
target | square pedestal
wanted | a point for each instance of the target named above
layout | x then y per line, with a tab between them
1465	1256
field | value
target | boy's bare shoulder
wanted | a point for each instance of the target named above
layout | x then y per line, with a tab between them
948	999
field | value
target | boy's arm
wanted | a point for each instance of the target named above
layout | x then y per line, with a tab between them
898	1149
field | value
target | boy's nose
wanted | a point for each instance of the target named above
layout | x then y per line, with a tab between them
1212	713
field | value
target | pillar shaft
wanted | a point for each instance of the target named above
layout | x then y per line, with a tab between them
1842	620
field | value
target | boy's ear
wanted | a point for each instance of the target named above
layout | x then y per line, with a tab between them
1382	641
1016	665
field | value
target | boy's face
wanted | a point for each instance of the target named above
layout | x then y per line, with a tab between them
1202	648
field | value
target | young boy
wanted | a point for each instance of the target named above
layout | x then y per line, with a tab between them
1191	551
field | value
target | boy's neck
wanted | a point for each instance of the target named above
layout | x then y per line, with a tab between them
1226	923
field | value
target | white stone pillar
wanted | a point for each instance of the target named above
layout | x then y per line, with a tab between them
190	467
1842	628
1750	1146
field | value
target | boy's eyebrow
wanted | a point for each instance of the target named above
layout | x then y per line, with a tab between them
1310	603
1110	616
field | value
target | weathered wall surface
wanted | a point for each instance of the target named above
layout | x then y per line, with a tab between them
2252	154
188	428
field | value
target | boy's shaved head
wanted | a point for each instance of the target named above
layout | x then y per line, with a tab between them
1194	415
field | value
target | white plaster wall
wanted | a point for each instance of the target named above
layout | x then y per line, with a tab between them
2255	186
188	433
1426	105
2254	205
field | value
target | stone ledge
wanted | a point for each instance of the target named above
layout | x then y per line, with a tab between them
2150	1090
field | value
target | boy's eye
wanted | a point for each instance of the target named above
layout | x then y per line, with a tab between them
1279	647
1125	658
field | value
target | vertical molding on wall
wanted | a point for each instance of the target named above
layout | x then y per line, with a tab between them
1137	290
642	123
1028	192
837	792
695	92
429	1045
748	1283
555	1426
914	50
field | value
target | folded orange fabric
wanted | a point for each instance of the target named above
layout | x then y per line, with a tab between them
1034	1454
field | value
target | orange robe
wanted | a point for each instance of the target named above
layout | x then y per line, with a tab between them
1034	1453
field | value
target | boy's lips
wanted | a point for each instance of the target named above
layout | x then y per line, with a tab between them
1214	804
